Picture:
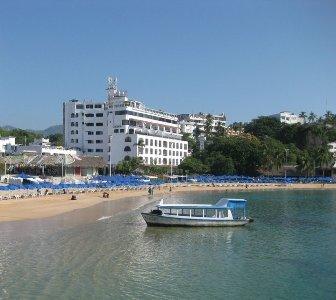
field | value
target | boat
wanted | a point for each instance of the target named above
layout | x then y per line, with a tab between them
226	212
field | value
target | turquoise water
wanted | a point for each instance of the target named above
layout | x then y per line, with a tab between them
289	252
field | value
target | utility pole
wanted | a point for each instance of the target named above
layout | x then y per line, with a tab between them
110	158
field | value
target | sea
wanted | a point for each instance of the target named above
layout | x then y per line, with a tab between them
107	252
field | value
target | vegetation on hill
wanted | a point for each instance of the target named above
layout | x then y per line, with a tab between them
265	147
24	137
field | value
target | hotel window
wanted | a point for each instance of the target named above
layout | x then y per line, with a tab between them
159	160
90	150
180	153
173	153
131	131
98	106
151	142
122	130
164	144
99	133
146	150
72	115
185	154
116	130
76	131
159	143
89	106
127	149
125	122
169	152
72	140
185	146
155	143
99	150
89	115
99	124
79	106
90	132
181	146
164	152
160	152
151	160
72	132
99	141
155	151
128	139
89	124
146	141
90	141
72	124
164	161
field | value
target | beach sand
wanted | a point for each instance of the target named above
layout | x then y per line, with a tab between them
52	205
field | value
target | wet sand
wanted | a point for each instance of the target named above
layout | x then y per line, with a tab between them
52	205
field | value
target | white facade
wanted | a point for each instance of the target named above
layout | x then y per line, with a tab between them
288	118
43	146
189	122
123	127
7	145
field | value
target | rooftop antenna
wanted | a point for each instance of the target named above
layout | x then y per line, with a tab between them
112	87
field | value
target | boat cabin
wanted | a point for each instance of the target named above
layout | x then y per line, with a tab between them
224	209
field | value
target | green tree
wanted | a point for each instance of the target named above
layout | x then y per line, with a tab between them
312	117
56	139
128	165
264	127
324	158
208	125
306	163
193	166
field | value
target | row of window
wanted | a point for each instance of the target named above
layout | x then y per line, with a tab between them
88	106
97	133
142	115
92	115
163	161
162	152
92	124
173	145
97	150
97	141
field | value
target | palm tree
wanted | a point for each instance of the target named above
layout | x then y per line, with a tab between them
324	158
312	117
303	115
306	163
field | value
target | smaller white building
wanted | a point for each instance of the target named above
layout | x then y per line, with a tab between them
43	146
7	145
288	118
189	122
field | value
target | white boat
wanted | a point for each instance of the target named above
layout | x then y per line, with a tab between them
226	212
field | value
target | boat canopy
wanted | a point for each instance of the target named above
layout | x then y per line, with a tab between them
224	203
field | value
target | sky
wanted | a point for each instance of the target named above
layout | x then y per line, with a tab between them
242	58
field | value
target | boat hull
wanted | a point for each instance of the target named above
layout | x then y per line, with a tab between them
164	220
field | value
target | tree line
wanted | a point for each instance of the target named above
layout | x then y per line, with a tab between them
266	146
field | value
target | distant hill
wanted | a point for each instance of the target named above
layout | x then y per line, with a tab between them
48	131
53	130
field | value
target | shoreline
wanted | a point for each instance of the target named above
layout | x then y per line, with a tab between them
53	205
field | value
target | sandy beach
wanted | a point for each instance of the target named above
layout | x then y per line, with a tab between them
52	205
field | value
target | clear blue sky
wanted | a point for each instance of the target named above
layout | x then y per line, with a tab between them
243	58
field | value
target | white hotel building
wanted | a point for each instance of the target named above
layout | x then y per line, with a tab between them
123	127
